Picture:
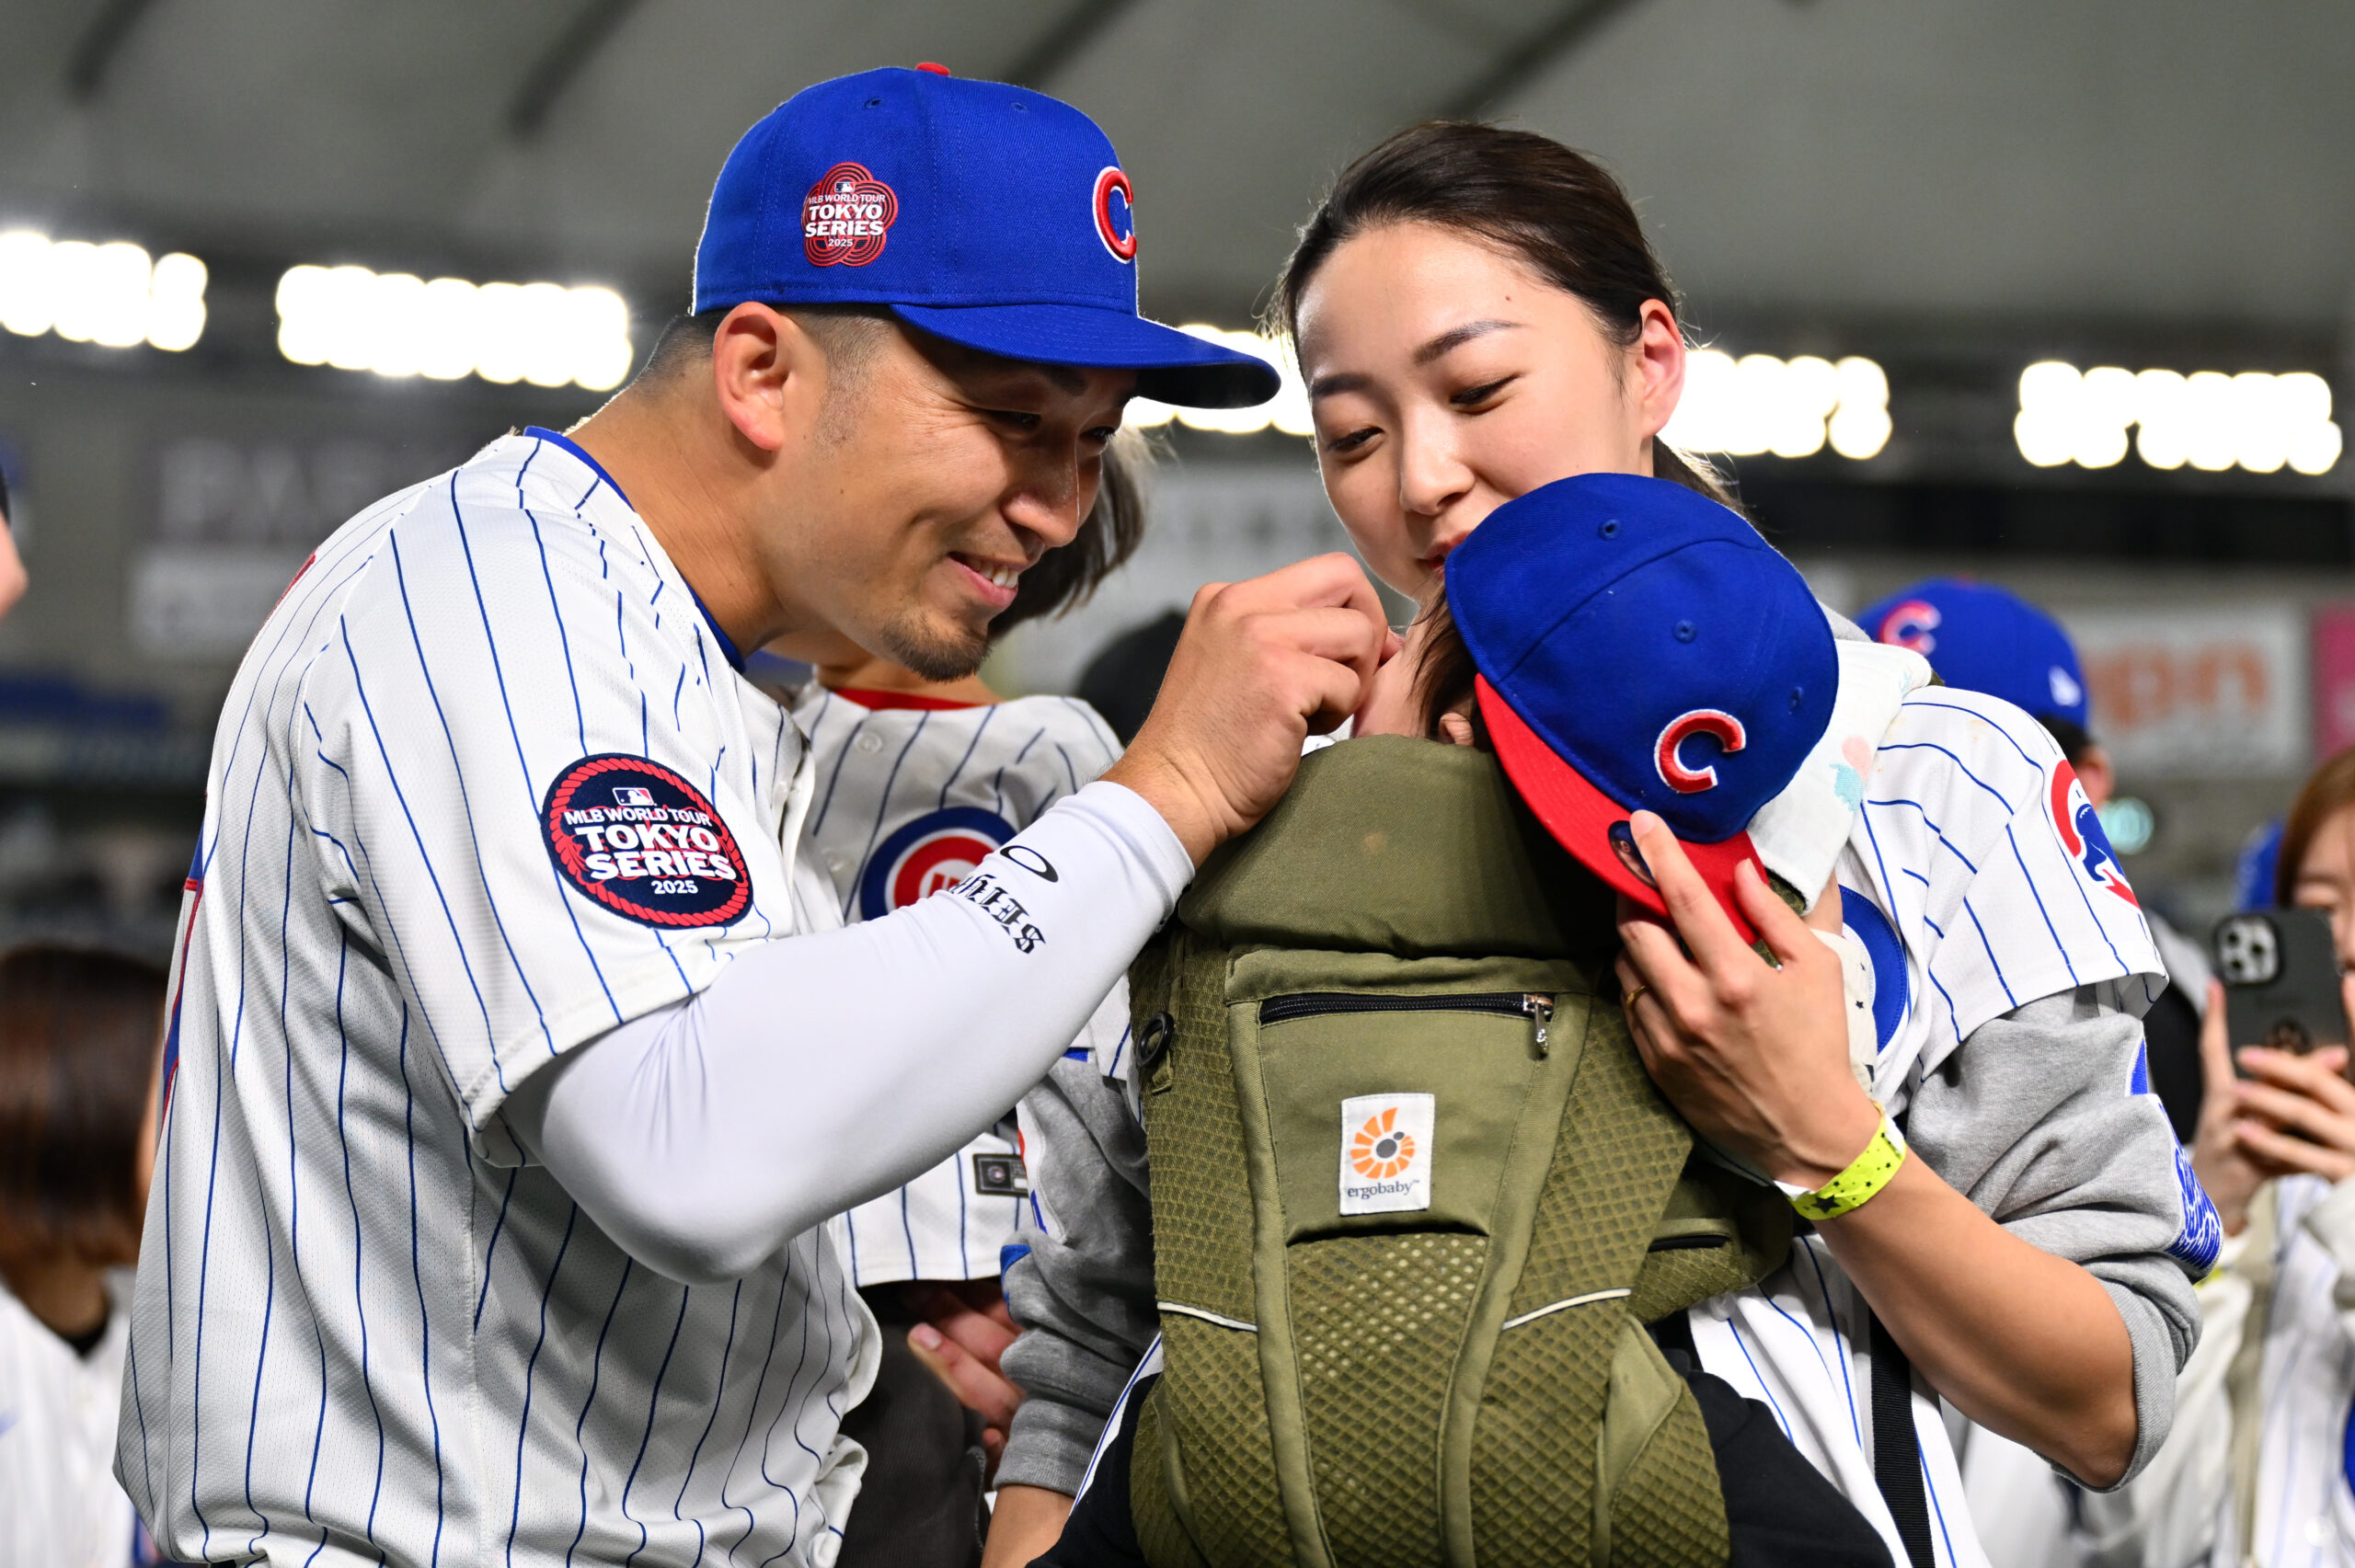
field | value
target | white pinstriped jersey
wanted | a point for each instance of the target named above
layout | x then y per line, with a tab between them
60	1506
1977	880
910	795
2305	1457
486	786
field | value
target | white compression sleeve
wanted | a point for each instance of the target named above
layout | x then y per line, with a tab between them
822	1070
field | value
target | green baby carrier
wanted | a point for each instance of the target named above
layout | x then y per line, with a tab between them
1414	1199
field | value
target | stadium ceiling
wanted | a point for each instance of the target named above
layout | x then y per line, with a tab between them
2015	159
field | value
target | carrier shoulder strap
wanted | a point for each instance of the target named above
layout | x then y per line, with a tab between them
1896	1447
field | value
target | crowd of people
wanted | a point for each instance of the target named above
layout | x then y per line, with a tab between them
1631	1066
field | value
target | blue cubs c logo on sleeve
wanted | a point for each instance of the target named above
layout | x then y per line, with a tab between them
642	841
936	850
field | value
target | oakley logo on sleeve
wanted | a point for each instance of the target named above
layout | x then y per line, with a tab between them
641	841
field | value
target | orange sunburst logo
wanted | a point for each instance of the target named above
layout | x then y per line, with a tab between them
1380	1150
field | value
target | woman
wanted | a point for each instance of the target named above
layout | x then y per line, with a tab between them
79	1033
1478	314
2259	1469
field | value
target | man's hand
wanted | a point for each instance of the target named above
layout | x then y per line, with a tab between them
1260	665
966	1328
1756	1058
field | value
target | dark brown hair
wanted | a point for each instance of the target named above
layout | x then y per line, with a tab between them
1068	575
2330	790
78	1036
1443	684
1549	206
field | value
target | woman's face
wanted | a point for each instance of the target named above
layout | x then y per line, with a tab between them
2326	879
1447	379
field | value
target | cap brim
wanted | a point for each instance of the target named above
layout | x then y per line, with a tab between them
1172	366
1580	816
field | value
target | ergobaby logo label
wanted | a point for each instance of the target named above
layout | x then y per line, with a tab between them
643	842
1386	1153
847	217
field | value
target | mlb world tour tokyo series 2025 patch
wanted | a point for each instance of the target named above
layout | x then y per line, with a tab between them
644	842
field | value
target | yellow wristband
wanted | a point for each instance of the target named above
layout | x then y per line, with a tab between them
1854	1188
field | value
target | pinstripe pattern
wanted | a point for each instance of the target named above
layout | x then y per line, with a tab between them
1956	850
364	1330
882	772
2306	1513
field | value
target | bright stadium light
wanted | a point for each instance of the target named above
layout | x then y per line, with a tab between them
1759	404
2254	422
112	294
1287	411
396	324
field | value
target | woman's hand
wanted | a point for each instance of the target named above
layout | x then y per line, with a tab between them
1755	1058
2291	1116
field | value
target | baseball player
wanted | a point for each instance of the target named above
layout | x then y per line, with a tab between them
918	781
521	1062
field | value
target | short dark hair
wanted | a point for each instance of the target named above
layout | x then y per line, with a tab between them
846	332
79	1030
2069	735
1067	576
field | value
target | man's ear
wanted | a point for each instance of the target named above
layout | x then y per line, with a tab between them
769	374
2094	773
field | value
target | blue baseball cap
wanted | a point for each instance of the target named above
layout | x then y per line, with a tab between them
1983	638
986	214
1639	647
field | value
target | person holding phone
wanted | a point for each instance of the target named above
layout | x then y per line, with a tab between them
2259	1467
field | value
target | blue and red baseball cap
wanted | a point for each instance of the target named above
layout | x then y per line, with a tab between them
989	215
1639	647
1980	638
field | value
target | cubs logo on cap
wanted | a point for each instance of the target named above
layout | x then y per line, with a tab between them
1980	638
1640	647
1116	220
987	215
928	855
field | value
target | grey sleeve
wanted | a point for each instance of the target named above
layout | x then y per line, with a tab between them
1084	1296
2033	1118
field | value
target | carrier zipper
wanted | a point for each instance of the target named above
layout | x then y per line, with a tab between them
1535	1006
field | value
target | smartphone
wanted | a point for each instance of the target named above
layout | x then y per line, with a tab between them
2280	973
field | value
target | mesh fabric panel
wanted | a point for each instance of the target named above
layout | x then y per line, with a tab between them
1377	1323
1670	1513
1160	1537
1674	1280
1532	1452
1608	1183
1211	1397
1201	1198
